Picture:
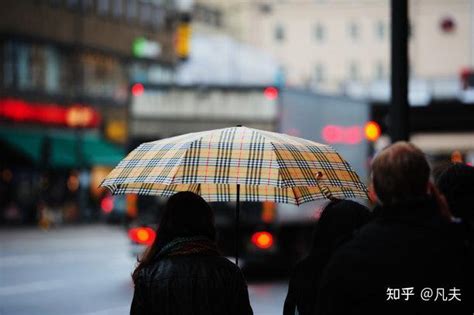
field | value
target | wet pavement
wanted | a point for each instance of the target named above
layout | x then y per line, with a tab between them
84	270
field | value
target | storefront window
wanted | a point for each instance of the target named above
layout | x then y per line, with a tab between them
145	16
49	69
131	10
153	74
103	76
23	66
8	65
53	70
31	67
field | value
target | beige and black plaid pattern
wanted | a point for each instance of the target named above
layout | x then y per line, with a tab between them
268	166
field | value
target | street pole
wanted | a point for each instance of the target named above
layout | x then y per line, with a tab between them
399	128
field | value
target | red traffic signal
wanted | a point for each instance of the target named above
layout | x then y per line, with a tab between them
138	89
271	93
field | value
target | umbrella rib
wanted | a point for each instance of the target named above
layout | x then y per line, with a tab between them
184	156
294	196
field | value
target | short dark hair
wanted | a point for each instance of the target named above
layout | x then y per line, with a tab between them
186	215
456	183
338	221
399	173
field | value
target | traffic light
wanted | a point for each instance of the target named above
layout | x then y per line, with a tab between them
372	131
271	93
183	37
467	78
138	89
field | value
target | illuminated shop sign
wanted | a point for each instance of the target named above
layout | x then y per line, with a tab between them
144	48
49	114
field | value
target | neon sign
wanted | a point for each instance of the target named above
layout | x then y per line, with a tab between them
49	114
342	134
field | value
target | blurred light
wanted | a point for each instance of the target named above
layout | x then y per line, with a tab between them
51	114
116	130
142	235
7	175
132	209
183	37
79	116
73	182
142	47
469	164
268	211
107	204
271	93
372	131
97	175
263	240
332	134
138	89
352	135
456	157
342	134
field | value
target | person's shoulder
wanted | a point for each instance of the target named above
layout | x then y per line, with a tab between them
222	262
370	233
362	246
217	262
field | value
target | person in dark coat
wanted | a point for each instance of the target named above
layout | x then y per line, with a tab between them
456	183
183	271
338	223
409	259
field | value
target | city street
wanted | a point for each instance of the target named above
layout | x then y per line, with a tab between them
83	270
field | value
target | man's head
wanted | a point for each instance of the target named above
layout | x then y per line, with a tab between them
400	172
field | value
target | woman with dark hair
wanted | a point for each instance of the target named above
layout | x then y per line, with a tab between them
338	222
183	272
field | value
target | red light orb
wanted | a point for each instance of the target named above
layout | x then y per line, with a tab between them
271	93
138	89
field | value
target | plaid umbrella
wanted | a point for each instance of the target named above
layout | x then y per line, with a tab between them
234	164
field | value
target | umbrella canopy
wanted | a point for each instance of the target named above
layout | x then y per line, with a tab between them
266	166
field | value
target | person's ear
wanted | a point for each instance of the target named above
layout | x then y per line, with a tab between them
373	198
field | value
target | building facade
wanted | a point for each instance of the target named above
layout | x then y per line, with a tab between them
67	68
344	46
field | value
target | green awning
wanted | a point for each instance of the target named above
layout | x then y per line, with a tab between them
25	142
66	149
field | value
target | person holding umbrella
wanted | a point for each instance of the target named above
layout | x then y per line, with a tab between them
183	272
227	165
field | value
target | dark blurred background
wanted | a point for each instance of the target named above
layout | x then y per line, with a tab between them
83	82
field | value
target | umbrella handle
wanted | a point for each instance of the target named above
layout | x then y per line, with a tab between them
237	213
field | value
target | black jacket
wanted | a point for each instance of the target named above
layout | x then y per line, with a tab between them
337	225
191	284
302	288
407	246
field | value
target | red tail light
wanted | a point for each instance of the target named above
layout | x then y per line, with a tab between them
142	235
262	239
